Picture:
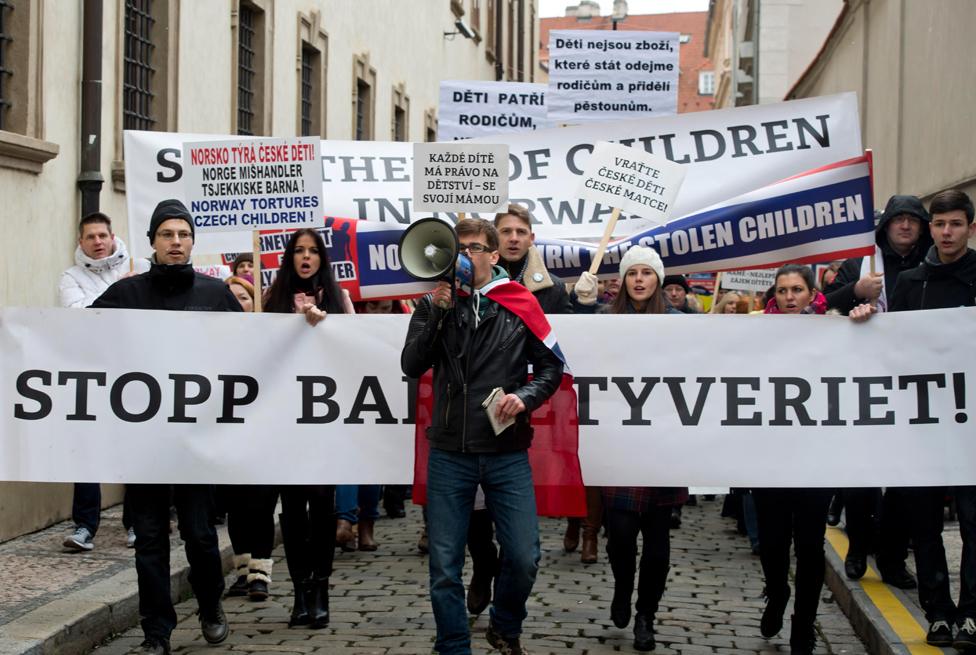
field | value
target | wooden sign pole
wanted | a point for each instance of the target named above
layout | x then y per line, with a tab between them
607	233
256	250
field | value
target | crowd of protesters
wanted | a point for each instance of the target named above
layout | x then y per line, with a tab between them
480	488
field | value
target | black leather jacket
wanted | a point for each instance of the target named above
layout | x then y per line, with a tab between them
468	363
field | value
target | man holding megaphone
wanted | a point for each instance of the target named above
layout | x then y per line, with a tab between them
480	337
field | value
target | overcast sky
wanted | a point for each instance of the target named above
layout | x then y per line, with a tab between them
550	8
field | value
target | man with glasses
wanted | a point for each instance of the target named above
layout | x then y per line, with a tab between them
476	346
172	284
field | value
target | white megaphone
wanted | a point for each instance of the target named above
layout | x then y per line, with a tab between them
429	251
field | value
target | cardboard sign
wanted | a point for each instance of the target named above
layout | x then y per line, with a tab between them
602	75
460	177
636	182
471	109
243	185
757	280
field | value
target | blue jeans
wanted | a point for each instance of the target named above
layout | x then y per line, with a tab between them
451	482
364	496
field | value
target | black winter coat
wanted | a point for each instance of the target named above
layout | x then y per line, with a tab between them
468	363
934	285
172	287
840	293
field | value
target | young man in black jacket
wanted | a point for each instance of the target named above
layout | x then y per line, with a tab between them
946	278
902	238
475	347
172	284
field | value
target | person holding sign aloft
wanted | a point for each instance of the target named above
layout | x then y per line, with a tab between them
629	511
305	285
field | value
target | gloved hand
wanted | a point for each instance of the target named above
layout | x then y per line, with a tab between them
586	288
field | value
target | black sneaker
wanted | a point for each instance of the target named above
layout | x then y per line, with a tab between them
939	634
965	640
772	617
153	646
504	645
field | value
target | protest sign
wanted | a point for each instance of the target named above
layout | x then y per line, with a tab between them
243	185
334	397
473	108
821	215
727	153
757	280
634	181
459	177
605	75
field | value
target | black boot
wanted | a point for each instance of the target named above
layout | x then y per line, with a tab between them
644	632
299	568
299	612
318	603
802	637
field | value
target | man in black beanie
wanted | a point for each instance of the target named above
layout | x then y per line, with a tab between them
676	290
172	284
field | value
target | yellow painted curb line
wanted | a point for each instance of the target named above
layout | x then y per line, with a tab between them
909	630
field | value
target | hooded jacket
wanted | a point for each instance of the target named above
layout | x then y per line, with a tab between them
935	285
548	289
174	287
473	347
840	293
89	278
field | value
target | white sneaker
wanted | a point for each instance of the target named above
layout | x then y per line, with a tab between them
130	538
80	540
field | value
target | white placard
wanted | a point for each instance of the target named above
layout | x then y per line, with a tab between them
331	405
599	75
459	177
634	181
758	280
254	184
472	108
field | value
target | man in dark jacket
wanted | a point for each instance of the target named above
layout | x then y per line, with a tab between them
524	264
474	348
676	292
172	284
902	238
946	278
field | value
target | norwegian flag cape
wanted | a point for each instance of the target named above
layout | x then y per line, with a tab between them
554	454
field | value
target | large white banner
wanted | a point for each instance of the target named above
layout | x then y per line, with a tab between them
727	153
176	397
603	75
472	108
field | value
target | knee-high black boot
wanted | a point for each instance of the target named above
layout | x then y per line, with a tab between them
299	568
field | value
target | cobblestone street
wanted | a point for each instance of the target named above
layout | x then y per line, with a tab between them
379	602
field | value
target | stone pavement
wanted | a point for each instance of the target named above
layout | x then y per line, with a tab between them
379	602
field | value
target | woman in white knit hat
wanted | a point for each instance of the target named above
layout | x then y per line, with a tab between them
645	510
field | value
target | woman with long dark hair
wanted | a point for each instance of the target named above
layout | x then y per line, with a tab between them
305	285
793	515
629	511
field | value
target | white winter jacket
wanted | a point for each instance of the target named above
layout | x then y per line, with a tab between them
89	278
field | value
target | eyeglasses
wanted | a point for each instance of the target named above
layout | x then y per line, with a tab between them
169	235
473	248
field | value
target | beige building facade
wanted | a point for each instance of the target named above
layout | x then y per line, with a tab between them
341	70
916	90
